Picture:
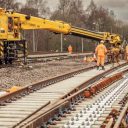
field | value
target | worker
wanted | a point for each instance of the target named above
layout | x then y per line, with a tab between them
70	49
115	54
126	51
85	59
16	31
100	52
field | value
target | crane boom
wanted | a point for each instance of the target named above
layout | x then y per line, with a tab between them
30	22
11	24
88	34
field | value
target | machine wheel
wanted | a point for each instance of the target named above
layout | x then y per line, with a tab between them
1	62
10	61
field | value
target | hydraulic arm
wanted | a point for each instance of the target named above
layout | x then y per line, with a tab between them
12	23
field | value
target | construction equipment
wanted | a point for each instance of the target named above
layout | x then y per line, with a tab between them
12	42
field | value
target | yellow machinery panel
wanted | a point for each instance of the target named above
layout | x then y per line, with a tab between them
3	26
30	22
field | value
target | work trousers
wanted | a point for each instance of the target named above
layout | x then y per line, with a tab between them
100	60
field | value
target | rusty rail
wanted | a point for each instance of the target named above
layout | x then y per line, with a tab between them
109	125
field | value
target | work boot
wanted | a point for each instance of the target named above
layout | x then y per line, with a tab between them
103	68
97	67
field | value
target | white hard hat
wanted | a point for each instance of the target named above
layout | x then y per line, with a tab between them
101	41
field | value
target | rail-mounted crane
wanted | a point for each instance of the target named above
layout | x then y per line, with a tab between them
11	41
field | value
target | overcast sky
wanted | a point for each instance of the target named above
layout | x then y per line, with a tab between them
120	7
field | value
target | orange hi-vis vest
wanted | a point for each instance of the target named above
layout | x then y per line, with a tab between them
70	49
101	50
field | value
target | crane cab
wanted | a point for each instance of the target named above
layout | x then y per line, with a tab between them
13	29
9	26
11	43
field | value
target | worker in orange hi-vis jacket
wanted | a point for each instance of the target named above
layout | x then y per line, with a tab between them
100	52
126	51
70	49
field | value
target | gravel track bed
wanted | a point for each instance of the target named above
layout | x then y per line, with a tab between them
24	76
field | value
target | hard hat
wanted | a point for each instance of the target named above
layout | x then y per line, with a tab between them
101	41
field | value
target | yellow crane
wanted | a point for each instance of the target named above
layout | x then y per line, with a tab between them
11	24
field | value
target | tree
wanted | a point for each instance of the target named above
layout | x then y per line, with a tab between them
40	5
99	18
91	15
9	4
36	8
94	18
71	11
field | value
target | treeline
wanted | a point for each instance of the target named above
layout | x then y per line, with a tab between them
72	11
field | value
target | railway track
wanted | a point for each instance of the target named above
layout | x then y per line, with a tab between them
42	58
18	107
57	56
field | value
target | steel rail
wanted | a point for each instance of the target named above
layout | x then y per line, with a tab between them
34	59
121	116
